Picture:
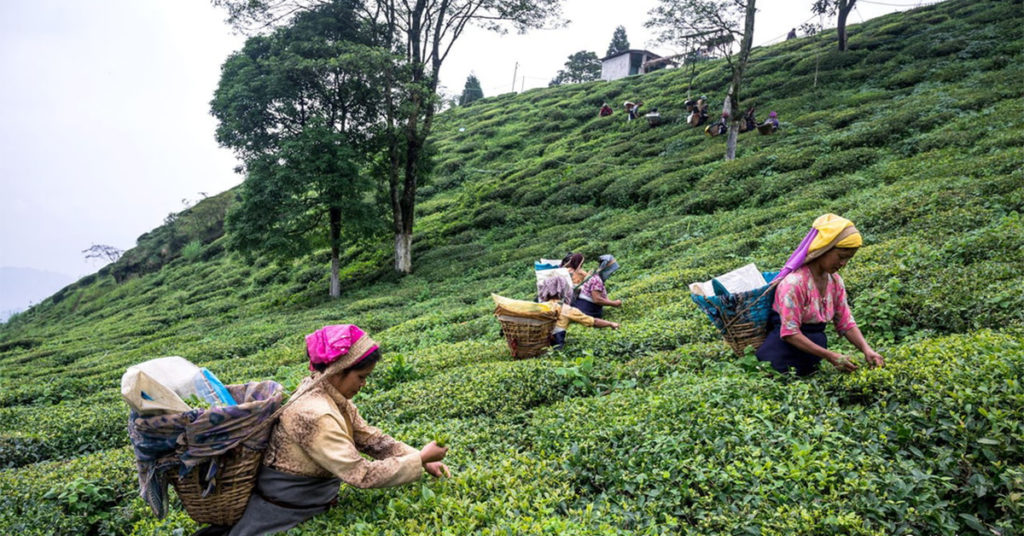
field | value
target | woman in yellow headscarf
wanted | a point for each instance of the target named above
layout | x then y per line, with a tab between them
812	295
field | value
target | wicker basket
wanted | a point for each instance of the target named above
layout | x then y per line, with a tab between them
233	438
739	335
742	317
235	482
526	337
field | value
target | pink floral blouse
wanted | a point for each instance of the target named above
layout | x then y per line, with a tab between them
592	286
798	302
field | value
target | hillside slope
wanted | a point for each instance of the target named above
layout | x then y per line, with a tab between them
916	134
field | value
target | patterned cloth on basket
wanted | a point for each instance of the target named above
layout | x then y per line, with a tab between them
185	440
731	304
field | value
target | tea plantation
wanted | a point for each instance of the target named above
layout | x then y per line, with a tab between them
916	134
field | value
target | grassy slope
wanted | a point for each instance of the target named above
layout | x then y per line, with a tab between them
916	134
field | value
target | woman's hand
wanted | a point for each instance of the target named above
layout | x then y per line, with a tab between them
874	358
613	325
437	469
616	303
432	453
842	363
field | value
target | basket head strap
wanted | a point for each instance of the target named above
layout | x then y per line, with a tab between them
584	282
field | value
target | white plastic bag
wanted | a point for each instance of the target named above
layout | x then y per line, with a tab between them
741	279
149	397
159	385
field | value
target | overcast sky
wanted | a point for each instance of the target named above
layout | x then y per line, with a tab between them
104	107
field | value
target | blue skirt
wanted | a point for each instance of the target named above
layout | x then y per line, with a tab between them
784	356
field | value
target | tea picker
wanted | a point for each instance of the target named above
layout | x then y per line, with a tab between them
295	456
784	319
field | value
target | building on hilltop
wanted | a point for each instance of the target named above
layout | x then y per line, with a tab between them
631	62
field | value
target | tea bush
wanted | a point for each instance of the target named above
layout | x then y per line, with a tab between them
915	134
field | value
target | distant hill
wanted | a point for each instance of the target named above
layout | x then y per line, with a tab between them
22	287
916	134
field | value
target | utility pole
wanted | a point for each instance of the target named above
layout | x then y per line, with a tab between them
514	73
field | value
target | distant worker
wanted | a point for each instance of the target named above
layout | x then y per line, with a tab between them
593	296
718	127
698	111
791	34
605	110
632	110
770	125
748	122
556	292
653	117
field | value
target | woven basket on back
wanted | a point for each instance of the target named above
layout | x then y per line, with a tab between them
526	337
225	505
239	465
741	317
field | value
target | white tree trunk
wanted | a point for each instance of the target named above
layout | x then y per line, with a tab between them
734	127
403	252
730	144
335	280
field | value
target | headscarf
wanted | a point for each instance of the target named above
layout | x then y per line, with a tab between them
556	287
833	232
573	261
827	232
339	345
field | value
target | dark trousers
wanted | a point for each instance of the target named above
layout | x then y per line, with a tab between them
589	308
784	356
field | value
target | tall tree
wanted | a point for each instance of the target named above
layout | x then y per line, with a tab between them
619	42
712	23
296	106
423	32
582	66
471	91
832	7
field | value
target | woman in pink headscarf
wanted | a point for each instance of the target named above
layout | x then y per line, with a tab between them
320	441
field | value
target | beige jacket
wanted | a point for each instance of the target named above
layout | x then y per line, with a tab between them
567	313
322	435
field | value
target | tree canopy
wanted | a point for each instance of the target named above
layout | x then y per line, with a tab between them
582	66
422	33
471	91
620	43
299	108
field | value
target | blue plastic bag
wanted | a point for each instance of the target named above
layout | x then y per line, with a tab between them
211	389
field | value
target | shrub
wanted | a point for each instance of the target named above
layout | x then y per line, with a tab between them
654	428
843	162
192	250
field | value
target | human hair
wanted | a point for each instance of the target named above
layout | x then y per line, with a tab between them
572	261
366	362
